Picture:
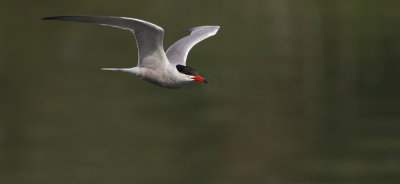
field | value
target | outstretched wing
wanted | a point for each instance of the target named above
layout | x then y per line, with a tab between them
178	52
149	37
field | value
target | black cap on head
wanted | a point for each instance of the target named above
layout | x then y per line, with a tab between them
187	70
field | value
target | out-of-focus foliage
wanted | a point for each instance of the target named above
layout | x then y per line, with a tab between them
300	92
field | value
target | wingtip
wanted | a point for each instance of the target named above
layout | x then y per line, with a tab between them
45	18
199	27
52	17
61	17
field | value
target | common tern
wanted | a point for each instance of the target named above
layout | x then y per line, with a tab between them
166	69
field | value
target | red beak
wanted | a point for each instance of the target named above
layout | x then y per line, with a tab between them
200	79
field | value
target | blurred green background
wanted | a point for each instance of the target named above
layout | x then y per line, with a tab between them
300	92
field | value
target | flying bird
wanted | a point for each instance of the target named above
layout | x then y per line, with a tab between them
166	69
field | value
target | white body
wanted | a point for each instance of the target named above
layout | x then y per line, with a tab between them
154	65
167	77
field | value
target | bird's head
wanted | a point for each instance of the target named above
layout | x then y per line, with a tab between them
190	72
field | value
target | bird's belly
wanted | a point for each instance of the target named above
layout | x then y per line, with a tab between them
161	79
164	82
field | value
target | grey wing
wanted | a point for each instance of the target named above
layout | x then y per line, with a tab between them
149	37
177	53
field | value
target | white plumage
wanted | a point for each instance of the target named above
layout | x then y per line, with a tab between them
154	64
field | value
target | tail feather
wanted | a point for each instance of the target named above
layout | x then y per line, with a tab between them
130	70
114	69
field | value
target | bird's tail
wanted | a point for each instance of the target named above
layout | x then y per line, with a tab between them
117	69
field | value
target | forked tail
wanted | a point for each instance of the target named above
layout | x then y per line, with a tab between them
130	70
117	69
114	69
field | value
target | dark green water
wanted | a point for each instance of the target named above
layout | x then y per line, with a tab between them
300	92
